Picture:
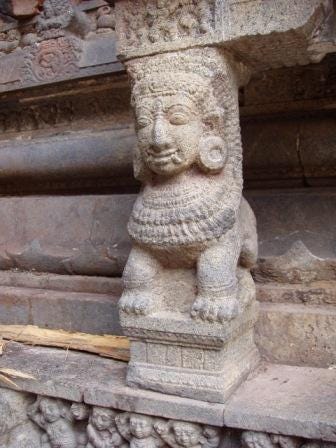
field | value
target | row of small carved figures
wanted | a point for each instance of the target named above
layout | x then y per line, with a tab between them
81	426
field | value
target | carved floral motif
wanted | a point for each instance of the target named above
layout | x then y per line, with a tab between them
52	59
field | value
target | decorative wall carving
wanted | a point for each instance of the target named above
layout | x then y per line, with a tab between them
107	106
52	59
54	41
253	439
28	421
148	22
78	425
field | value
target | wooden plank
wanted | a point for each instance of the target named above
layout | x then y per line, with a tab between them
116	347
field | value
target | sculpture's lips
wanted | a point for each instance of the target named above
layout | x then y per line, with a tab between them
163	157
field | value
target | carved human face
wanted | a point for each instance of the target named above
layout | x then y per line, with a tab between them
169	129
187	434
141	426
102	418
50	410
79	411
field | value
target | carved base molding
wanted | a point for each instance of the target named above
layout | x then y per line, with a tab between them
207	365
36	421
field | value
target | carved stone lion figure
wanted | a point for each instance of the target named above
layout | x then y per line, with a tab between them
190	214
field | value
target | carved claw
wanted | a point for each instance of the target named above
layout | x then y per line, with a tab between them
215	310
136	302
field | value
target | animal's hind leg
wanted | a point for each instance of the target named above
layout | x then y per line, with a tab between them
217	281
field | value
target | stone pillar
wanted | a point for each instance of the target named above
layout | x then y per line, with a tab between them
189	299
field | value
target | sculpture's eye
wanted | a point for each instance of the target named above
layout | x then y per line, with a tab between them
143	121
179	115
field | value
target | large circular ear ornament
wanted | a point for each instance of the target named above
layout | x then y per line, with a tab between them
212	154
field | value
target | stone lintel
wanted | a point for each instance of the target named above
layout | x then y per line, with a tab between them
297	401
263	34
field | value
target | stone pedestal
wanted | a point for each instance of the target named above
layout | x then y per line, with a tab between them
206	363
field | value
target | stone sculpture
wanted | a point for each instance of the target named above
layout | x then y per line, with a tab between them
194	235
102	430
53	416
16	430
139	430
188	435
80	414
59	15
190	213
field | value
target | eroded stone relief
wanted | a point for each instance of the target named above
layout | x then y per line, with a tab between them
28	421
146	22
53	40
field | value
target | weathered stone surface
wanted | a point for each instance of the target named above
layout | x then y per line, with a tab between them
309	217
267	35
16	430
286	400
314	293
297	334
79	156
45	239
58	44
70	235
74	376
72	311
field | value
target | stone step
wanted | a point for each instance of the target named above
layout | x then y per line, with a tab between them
298	333
282	399
85	312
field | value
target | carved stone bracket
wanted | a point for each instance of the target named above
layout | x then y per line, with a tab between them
188	303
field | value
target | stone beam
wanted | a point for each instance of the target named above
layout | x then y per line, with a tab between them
264	34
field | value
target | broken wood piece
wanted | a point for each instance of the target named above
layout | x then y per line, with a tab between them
116	347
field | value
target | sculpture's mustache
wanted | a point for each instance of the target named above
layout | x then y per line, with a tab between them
164	157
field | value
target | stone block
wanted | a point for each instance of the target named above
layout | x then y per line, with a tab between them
269	160
297	334
66	235
315	293
286	400
317	148
310	216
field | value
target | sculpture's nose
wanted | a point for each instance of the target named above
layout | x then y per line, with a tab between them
161	138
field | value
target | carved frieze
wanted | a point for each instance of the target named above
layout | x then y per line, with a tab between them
58	43
147	22
28	421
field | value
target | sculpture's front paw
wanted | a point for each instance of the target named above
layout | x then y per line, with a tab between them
136	302
215	309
